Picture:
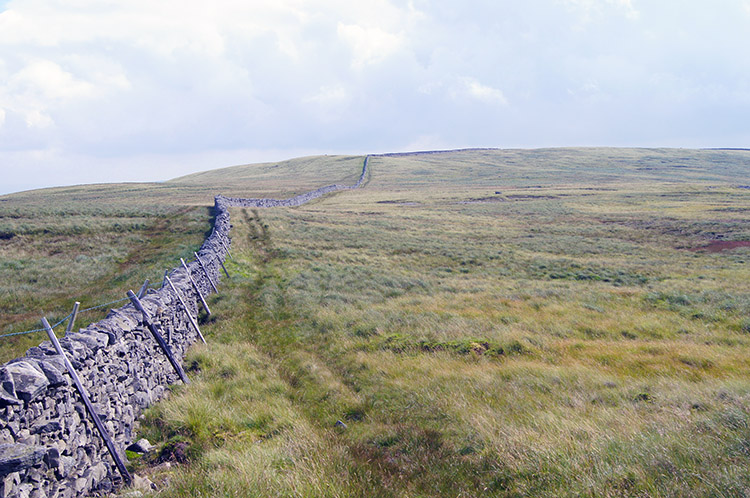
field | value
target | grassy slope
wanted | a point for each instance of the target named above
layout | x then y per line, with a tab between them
501	323
91	243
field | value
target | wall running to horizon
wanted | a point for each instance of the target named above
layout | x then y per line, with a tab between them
49	445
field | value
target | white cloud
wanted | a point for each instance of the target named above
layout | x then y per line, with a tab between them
369	45
591	10
103	73
329	96
627	6
330	103
484	93
40	88
49	81
34	90
36	118
426	142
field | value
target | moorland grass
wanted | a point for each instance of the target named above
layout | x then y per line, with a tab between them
561	338
92	257
477	323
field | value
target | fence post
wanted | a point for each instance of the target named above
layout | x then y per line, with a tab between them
225	248
195	286
167	351
223	267
72	317
192	321
86	401
205	270
143	290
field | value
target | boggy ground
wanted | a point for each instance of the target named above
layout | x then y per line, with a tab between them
483	323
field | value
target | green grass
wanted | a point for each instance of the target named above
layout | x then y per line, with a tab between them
485	323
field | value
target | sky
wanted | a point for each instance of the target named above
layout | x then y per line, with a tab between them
142	90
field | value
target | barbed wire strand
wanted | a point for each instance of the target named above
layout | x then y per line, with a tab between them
37	330
98	306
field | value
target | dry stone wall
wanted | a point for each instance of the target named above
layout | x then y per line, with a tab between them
49	445
292	201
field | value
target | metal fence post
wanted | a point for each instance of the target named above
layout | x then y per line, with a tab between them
164	346
182	302
86	401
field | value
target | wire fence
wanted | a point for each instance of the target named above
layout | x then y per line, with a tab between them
92	308
36	330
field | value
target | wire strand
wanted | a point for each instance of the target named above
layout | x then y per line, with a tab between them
37	330
98	306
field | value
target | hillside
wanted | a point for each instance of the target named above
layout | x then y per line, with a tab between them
562	166
568	322
282	179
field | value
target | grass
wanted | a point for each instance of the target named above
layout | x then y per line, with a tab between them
59	257
477	323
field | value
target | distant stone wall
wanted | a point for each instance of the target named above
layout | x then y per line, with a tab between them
49	445
293	201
